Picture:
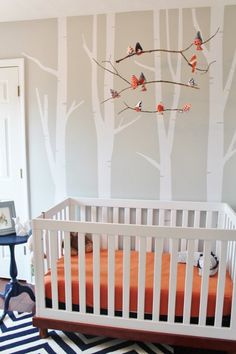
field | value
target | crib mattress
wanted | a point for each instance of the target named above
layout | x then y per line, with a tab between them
134	284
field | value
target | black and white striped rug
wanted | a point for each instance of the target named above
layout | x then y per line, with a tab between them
17	335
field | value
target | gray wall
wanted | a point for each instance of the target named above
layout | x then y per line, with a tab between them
128	152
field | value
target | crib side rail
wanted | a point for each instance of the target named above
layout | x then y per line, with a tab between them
142	233
151	212
183	214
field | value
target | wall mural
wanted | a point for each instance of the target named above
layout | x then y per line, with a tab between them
90	147
106	128
218	97
57	159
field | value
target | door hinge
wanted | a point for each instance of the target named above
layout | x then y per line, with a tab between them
21	173
18	91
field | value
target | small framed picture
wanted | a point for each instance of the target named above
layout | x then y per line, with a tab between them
7	212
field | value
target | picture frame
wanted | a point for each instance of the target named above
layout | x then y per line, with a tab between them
7	213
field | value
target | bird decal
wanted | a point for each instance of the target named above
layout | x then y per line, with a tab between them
114	93
138	48
193	62
192	82
186	107
134	81
138	106
141	81
130	50
198	41
160	108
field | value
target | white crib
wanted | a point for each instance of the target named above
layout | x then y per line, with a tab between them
143	226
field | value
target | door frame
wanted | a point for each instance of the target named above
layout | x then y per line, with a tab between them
19	63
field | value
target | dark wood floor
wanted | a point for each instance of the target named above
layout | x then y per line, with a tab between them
21	303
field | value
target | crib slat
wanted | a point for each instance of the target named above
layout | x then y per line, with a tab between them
188	283
82	213
138	221
209	219
233	306
67	262
184	224
221	282
161	217
149	222
173	217
126	277
96	272
93	214
127	216
39	268
104	219
172	280
157	279
115	221
53	256
204	282
71	212
229	257
233	260
185	218
138	216
141	277
46	246
196	225
111	273
82	285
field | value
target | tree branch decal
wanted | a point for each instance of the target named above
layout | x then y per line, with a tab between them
40	65
73	107
181	52
231	149
124	126
134	82
153	162
136	109
229	79
118	93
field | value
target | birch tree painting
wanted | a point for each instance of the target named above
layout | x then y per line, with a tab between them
57	159
165	132
106	129
217	157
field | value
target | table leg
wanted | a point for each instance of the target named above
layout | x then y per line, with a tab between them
14	288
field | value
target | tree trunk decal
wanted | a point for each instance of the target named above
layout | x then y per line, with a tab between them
165	133
57	160
218	96
104	124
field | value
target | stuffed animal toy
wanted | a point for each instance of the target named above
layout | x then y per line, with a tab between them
182	257
214	263
198	261
74	243
22	229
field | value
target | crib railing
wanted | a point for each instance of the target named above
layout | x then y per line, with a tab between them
153	227
140	212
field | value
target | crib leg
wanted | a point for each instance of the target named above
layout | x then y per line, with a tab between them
43	332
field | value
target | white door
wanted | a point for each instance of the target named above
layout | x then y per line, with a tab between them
13	178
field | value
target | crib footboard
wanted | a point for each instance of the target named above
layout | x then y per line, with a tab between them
134	284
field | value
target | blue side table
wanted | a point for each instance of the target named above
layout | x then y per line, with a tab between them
13	288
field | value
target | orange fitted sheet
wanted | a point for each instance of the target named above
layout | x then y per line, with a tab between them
134	284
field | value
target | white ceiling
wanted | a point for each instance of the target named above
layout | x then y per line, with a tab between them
18	10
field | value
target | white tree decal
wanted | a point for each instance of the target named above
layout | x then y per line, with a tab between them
106	129
57	160
165	133
218	97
